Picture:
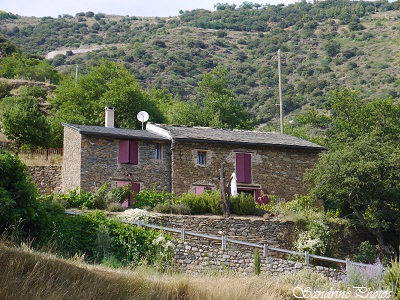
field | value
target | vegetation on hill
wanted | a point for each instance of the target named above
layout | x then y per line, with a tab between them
323	46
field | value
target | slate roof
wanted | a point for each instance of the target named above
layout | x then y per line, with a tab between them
239	137
199	134
119	133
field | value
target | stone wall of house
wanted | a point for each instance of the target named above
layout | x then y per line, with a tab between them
47	178
71	169
99	157
278	170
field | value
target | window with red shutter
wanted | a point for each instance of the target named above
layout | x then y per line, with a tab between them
135	187
128	152
243	167
198	190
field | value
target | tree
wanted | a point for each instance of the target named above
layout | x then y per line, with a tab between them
23	123
109	83
18	194
220	106
360	175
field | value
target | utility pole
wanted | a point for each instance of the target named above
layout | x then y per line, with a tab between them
280	90
76	76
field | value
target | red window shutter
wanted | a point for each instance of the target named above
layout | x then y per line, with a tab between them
135	187
240	167
133	152
261	196
243	167
247	167
198	190
123	152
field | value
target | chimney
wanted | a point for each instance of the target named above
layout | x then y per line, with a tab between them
109	116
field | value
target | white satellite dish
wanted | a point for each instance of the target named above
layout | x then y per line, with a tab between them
143	116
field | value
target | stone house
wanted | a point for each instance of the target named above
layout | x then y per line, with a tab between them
182	159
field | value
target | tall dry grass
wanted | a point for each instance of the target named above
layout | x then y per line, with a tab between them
25	274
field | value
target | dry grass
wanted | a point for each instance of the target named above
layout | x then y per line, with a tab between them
25	274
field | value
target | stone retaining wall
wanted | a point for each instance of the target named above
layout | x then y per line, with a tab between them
198	254
209	258
275	233
47	178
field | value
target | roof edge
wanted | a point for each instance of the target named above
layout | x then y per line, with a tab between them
158	130
317	148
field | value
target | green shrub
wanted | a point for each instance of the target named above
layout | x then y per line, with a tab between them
167	208
150	198
315	239
77	199
370	276
119	194
115	207
367	253
18	193
392	278
95	237
213	200
180	209
112	262
100	197
243	204
197	204
257	262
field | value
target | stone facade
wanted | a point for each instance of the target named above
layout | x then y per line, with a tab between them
278	170
276	166
71	168
47	178
91	161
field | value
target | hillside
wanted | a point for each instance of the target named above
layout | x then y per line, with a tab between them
323	46
31	275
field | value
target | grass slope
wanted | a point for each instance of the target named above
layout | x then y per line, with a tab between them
25	274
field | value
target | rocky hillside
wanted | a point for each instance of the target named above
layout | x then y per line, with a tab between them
323	46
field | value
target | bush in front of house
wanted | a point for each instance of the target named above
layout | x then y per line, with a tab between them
168	208
208	202
197	203
243	204
80	234
151	198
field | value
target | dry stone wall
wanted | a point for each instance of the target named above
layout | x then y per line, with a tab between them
202	258
273	232
47	178
198	254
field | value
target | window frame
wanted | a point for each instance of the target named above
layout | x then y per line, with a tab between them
201	158
158	151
